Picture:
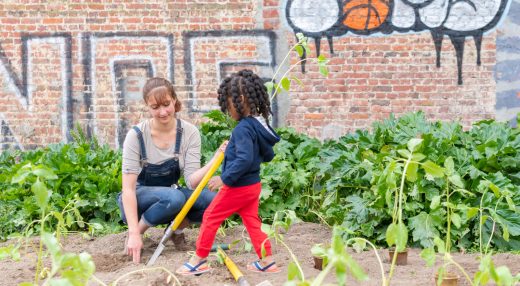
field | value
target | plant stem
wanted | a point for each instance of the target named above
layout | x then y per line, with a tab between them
451	261
383	277
40	250
396	207
145	270
322	275
402	188
448	217
294	258
392	267
400	215
98	280
286	72
492	229
480	222
490	237
284	59
321	218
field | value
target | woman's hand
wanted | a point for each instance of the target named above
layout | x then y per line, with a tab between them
134	246
215	183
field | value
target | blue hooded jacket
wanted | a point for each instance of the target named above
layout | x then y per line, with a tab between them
250	145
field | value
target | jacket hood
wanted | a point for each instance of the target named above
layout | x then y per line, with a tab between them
267	137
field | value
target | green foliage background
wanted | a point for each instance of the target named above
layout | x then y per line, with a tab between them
87	171
341	182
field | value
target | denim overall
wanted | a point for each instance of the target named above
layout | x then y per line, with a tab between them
165	174
159	199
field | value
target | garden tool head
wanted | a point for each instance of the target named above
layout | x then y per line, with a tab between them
187	206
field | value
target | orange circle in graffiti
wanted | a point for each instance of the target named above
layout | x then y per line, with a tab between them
365	14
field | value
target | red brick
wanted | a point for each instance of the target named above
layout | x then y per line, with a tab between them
271	3
314	116
370	77
270	13
51	21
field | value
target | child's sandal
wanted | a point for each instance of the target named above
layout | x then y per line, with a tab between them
188	269
258	268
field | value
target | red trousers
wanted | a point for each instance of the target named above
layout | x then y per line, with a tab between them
242	200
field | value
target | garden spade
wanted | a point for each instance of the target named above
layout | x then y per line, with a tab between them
180	216
233	268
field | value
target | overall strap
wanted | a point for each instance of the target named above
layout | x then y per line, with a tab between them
178	138
141	144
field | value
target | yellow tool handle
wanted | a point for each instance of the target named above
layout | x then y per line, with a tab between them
187	206
230	265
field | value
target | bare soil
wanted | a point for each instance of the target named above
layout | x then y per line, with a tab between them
112	264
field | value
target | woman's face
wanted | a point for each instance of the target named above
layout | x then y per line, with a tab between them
161	109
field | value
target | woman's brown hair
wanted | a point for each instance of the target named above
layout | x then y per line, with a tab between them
162	90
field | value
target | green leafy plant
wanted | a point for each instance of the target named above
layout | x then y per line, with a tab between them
339	259
487	270
336	255
453	184
86	172
75	269
407	165
301	47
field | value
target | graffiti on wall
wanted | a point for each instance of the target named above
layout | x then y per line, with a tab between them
457	19
23	86
100	90
507	68
109	62
261	55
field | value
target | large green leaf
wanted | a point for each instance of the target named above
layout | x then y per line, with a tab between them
428	254
414	144
449	166
456	180
397	234
356	269
286	83
433	169
411	171
425	227
510	219
41	193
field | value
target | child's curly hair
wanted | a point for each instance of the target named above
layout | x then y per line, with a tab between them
251	86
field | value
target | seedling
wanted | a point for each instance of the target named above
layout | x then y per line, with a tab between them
408	165
301	47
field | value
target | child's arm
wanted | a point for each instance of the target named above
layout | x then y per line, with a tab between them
237	167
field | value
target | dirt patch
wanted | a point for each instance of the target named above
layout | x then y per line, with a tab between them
112	264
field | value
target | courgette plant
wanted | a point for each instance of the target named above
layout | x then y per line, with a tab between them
302	48
453	185
407	165
72	269
487	270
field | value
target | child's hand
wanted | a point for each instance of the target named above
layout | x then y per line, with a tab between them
223	146
215	183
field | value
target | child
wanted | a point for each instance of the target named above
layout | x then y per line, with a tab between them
245	98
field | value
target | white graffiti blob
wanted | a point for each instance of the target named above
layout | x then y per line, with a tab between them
403	15
463	15
470	15
434	14
314	16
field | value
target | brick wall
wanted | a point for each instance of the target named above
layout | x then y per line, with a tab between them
83	62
